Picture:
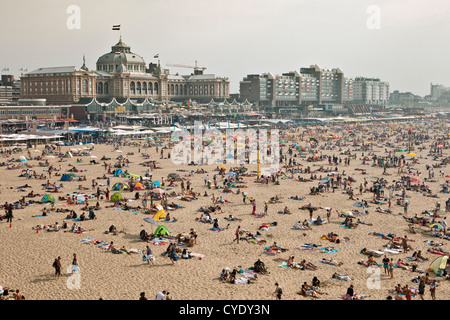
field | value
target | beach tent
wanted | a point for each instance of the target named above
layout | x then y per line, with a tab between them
174	176
438	264
118	172
65	177
162	231
156	184
116	195
120	186
160	213
23	159
138	186
47	198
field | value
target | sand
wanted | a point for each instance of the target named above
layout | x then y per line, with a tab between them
26	256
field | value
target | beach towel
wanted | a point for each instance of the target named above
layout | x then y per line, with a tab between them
306	249
40	215
298	227
284	265
328	250
331	263
394	251
168	221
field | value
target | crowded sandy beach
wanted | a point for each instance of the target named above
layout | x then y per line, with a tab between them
354	211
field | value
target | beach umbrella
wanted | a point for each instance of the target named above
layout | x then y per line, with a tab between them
232	174
412	154
400	150
222	167
50	157
152	221
415	179
158	190
436	226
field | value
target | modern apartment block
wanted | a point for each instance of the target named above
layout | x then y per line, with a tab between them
9	90
268	89
436	90
312	85
370	91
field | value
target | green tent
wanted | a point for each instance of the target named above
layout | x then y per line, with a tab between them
47	198
162	231
116	195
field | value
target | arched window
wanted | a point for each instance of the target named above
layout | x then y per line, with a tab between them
144	88
138	88
185	90
150	88
85	86
156	88
206	89
132	88
176	89
100	88
172	91
105	88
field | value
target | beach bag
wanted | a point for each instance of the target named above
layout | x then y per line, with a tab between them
144	258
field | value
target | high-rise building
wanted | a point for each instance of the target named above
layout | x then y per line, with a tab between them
436	90
268	89
9	90
311	85
370	91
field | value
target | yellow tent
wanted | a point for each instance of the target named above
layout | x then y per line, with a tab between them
438	264
160	213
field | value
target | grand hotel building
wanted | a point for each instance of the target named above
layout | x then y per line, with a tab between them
123	75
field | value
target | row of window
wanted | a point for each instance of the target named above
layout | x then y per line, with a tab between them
130	67
28	111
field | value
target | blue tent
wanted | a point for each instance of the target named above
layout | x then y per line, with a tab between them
156	184
65	177
118	172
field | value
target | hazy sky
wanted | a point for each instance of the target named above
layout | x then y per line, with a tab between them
234	38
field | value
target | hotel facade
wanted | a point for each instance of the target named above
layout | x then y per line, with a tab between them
120	74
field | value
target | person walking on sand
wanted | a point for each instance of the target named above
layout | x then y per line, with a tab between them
149	256
278	291
433	287
391	268
237	234
329	214
75	264
57	266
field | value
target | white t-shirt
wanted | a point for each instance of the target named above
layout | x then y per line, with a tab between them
160	296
